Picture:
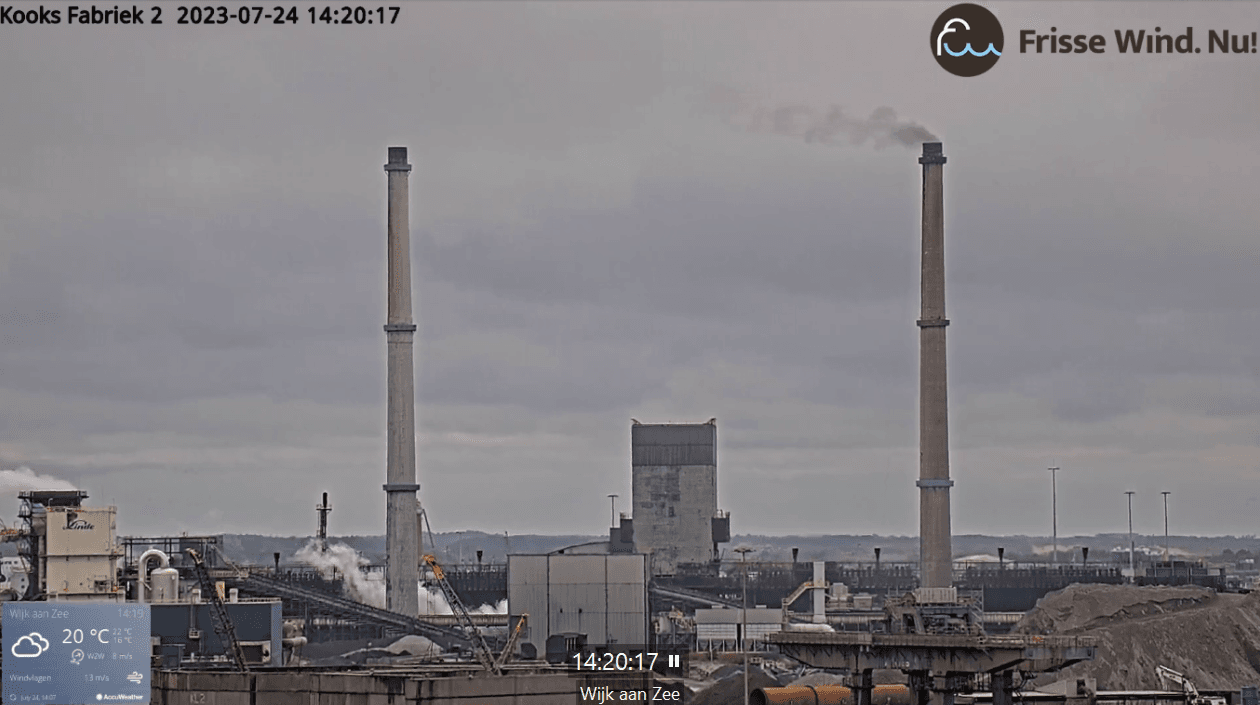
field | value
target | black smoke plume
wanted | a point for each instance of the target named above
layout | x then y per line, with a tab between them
811	124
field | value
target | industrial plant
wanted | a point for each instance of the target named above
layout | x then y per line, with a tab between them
667	604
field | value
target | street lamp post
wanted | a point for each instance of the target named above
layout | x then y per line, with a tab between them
1132	574
1167	550
1054	512
743	551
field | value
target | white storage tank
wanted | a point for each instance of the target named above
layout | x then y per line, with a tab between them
164	584
161	584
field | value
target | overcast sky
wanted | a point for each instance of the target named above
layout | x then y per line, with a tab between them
192	266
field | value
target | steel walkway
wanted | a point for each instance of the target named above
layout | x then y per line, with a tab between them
696	598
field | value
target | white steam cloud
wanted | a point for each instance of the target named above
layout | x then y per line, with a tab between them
343	561
812	124
23	479
1066	550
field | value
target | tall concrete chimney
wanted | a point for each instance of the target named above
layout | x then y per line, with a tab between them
935	551
402	573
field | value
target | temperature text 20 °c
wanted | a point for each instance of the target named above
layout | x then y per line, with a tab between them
75	636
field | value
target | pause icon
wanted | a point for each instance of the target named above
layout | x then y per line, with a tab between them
675	661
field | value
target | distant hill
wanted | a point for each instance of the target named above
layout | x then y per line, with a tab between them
454	547
462	547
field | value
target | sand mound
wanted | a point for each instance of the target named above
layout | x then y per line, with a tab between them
413	645
1213	639
1078	607
731	688
818	679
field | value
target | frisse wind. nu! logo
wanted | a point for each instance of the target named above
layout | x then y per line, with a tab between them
966	40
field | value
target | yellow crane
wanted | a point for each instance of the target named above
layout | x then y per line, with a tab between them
481	650
511	644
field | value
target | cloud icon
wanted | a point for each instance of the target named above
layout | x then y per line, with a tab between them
30	646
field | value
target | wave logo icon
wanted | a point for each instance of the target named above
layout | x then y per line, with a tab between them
949	27
968	26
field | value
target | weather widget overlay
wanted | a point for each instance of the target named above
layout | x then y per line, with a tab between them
66	652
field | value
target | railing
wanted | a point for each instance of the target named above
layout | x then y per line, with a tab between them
930	640
1065	642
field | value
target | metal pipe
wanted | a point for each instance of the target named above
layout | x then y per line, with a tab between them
1054	512
829	695
935	550
820	595
323	510
743	552
1167	549
1132	574
144	571
402	540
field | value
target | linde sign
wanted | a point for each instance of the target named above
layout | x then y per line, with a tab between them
75	524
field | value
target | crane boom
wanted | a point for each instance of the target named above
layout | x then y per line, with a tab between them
511	644
481	650
1167	675
218	613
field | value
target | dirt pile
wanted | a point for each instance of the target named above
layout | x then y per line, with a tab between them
1085	606
413	645
879	676
730	689
818	678
1213	639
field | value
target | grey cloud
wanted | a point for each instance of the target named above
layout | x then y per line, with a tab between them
192	265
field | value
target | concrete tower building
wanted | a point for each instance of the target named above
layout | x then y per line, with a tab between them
402	572
674	478
935	550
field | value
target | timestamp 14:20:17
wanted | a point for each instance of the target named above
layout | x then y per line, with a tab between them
615	661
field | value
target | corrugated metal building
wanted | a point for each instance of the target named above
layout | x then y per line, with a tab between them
722	627
604	597
674	484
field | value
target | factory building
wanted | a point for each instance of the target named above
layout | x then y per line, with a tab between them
70	549
604	598
674	483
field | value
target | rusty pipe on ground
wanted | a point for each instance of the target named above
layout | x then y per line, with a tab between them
829	695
